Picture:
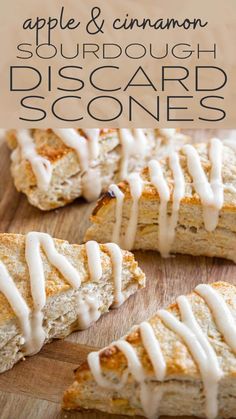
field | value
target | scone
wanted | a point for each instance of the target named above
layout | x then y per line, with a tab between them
182	362
49	288
185	203
53	167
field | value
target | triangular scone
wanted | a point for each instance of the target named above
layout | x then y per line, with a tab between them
182	362
53	167
49	288
185	203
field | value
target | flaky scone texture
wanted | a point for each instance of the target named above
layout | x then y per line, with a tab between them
67	175
61	309
182	387
191	236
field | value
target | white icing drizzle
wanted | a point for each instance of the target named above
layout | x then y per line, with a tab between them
211	194
37	281
199	355
150	402
91	178
132	144
115	190
94	260
210	369
117	260
74	140
41	167
93	144
197	342
158	180
31	320
223	317
88	312
177	196
15	299
152	346
95	366
134	364
136	188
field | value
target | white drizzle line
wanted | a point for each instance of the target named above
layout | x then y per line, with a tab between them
212	372
91	179
167	225
224	320
94	260
194	338
132	144
74	140
152	346
199	355
136	188
37	281
95	267
88	312
15	299
93	144
41	167
178	195
95	367
115	190
150	402
31	321
134	364
211	194
159	182
117	260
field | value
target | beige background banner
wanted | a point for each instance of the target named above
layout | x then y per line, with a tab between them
78	63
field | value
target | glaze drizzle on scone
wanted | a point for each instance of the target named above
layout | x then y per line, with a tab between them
134	148
31	321
198	343
87	150
211	194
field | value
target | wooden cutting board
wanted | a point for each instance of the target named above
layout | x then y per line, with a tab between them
33	389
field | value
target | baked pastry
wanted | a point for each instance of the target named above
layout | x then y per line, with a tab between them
182	362
53	167
49	288
185	203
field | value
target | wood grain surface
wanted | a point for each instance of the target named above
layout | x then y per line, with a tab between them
33	388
